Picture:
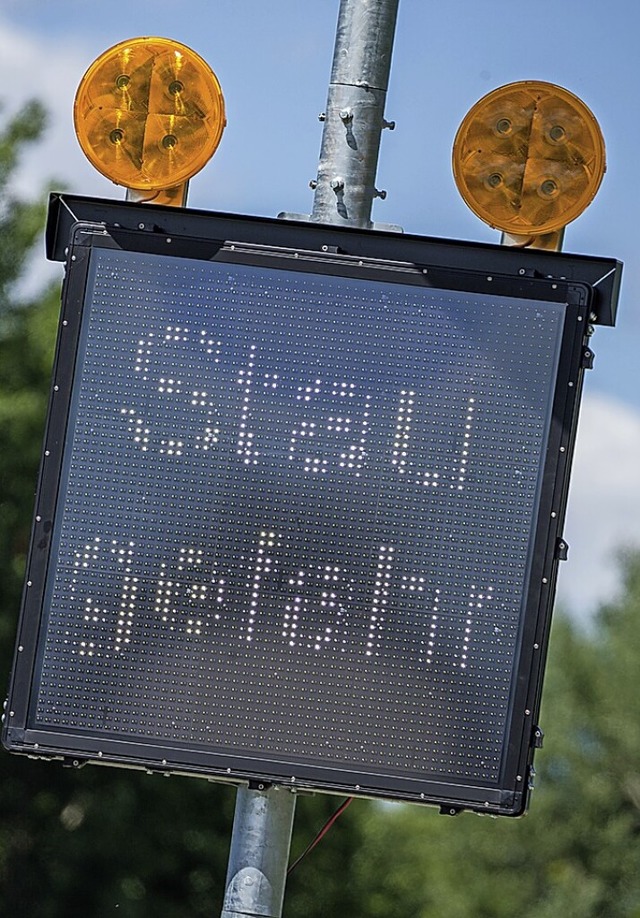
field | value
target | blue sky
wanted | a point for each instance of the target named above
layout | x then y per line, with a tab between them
273	60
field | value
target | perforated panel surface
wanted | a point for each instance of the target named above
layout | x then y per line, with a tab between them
295	516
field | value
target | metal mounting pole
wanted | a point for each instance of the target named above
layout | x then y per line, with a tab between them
354	119
259	855
345	190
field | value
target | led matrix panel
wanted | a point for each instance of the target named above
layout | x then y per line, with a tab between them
298	520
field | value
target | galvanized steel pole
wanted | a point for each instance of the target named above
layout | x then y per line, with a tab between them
354	118
259	854
344	193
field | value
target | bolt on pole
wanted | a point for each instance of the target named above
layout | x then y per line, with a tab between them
345	190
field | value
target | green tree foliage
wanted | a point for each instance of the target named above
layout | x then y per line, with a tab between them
20	221
107	842
26	337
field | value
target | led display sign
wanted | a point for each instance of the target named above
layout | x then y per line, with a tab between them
299	518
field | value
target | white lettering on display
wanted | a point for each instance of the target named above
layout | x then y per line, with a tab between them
316	605
417	586
330	431
341	425
153	349
402	446
263	565
476	602
187	606
330	425
380	602
433	630
300	608
116	623
246	446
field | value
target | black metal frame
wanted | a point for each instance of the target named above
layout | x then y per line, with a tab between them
205	231
455	266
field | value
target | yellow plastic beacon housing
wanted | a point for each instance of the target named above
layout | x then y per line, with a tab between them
149	113
528	158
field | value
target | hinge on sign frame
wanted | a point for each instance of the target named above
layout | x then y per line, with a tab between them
260	785
587	359
72	762
562	550
447	810
537	739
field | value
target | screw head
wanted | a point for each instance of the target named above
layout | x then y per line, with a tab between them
549	187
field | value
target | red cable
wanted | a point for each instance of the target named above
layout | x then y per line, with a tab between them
321	834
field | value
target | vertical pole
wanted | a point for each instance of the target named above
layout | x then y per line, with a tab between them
354	118
345	190
259	855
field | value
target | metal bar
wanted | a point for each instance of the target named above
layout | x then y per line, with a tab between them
259	855
176	196
354	118
550	242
